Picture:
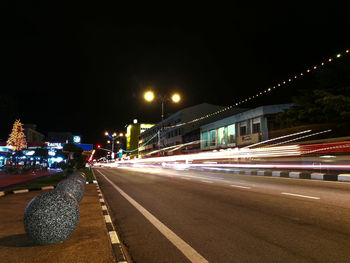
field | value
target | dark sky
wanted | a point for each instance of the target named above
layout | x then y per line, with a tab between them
83	67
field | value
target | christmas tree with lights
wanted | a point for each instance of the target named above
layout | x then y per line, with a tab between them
17	140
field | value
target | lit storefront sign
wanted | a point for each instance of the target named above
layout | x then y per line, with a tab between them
76	139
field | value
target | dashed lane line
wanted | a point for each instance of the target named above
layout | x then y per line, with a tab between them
205	181
304	196
185	248
240	186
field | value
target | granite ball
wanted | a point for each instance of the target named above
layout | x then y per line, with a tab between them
51	217
73	186
78	177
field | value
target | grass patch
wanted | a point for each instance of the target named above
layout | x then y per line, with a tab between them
89	175
53	180
36	184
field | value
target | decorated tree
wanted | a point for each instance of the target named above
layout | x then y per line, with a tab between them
17	138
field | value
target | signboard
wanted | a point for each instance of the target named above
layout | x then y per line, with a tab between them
248	139
85	147
56	145
76	139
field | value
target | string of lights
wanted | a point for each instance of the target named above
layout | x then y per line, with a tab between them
258	94
268	90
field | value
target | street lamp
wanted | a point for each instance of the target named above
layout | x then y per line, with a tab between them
113	137
149	96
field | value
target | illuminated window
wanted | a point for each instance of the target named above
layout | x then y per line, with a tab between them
222	136
231	133
205	141
212	137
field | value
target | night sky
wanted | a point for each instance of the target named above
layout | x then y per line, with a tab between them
83	67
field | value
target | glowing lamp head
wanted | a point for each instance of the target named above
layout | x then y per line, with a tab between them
114	134
149	96
176	98
121	134
106	133
98	146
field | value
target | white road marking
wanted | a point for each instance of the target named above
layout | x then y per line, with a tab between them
102	200
108	219
185	178
185	248
114	237
240	186
104	207
205	181
305	196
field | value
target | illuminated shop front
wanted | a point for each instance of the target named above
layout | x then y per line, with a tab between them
241	129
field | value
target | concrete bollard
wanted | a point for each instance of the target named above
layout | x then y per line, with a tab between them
73	186
51	217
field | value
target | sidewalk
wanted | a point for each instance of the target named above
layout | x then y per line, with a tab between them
7	180
89	242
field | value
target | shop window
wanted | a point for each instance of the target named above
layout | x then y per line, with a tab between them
222	136
205	139
212	137
231	132
243	130
256	128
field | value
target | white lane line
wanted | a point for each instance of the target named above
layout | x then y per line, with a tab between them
205	181
185	248
185	178
240	186
305	196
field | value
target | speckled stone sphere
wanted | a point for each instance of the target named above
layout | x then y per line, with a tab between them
51	217
73	186
79	177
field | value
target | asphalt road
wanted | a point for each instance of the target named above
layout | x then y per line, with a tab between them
166	215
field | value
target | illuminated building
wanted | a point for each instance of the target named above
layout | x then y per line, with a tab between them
241	129
157	138
132	137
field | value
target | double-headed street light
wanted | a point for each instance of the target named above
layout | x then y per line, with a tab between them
113	137
149	96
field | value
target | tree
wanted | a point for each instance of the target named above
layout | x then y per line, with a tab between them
74	153
327	102
17	138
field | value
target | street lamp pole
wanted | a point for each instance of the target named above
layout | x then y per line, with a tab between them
149	96
113	138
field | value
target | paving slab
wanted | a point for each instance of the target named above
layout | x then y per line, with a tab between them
89	242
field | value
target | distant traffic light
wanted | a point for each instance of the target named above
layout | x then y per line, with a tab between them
98	146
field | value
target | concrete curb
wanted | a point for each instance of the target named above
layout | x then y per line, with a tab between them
113	235
287	174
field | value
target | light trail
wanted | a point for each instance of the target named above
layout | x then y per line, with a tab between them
244	158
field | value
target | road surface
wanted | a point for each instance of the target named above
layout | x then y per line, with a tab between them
168	215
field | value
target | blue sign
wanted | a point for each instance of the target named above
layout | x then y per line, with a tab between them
85	147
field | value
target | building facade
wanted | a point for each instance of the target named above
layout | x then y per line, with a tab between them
241	129
32	135
60	137
132	137
171	133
